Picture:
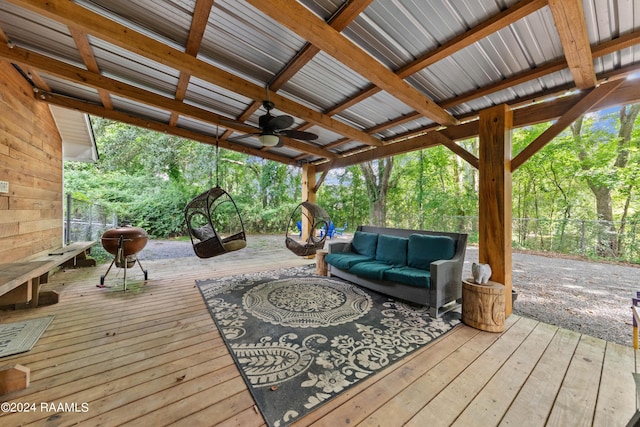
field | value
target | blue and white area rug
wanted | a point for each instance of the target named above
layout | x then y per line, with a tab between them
18	337
301	339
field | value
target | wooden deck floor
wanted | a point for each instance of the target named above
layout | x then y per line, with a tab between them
152	356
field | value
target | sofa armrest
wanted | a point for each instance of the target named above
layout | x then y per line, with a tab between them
446	282
445	270
335	247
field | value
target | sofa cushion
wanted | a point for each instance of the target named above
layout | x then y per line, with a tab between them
364	243
409	276
392	250
345	260
424	249
370	269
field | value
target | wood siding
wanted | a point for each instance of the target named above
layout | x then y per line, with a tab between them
31	161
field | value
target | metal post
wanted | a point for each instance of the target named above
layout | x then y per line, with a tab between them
67	231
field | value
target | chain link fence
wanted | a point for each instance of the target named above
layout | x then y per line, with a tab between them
86	221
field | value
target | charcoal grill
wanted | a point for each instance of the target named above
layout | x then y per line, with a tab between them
124	243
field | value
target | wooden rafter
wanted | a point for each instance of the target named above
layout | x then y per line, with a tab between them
475	34
339	21
120	35
484	29
32	74
196	33
566	13
301	21
97	81
86	52
627	93
151	124
568	16
598	51
582	106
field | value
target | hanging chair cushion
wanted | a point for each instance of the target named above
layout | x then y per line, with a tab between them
203	233
234	245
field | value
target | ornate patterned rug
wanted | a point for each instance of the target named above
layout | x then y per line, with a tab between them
301	339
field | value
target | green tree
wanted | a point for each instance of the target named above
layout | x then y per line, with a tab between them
604	154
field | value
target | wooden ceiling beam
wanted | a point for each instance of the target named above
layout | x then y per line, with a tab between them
146	123
199	21
582	106
31	73
608	47
86	53
99	82
72	15
339	21
503	19
568	15
490	26
303	22
429	140
627	93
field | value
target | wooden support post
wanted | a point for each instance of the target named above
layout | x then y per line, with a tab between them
308	194
494	212
13	378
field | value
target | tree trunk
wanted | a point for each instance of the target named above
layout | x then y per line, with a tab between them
377	178
608	241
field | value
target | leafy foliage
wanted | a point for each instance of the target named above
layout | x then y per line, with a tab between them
148	178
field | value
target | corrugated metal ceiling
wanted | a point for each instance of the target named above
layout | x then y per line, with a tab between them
242	40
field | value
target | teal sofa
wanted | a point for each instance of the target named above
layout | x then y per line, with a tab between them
422	267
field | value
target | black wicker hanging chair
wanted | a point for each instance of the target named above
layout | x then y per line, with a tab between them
319	222
214	222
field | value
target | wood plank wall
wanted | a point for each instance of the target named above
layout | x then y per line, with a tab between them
31	161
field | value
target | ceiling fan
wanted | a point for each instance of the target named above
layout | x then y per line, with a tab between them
271	128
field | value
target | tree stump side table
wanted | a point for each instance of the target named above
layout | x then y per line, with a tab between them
321	264
483	305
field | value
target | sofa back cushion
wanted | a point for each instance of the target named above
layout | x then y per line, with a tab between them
364	243
424	249
392	250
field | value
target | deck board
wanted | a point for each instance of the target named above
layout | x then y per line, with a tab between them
493	401
617	380
543	382
153	356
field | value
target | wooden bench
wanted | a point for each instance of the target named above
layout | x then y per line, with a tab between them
20	281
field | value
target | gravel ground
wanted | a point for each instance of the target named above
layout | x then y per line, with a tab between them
580	295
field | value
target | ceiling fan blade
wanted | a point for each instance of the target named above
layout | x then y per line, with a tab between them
239	124
280	143
298	134
279	122
246	135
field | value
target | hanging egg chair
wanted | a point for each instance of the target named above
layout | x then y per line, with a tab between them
318	220
214	224
214	221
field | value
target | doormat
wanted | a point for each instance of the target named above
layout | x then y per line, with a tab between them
300	339
19	337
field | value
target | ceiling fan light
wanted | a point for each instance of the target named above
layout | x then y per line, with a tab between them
269	140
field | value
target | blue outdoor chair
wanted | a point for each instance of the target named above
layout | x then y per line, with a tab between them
340	231
330	231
